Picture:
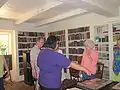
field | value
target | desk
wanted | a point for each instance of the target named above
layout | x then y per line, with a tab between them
96	84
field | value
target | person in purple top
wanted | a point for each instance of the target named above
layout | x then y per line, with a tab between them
51	63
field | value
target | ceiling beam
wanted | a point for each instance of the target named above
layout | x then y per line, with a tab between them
61	17
102	7
2	2
37	11
117	2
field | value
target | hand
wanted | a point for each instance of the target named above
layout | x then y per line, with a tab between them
88	72
34	74
8	73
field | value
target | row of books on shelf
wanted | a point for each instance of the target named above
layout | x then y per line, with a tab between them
101	39
104	55
115	29
62	44
21	65
103	58
25	39
20	52
57	33
76	51
79	36
61	38
75	30
20	59
30	34
21	71
25	46
63	50
75	58
102	47
76	43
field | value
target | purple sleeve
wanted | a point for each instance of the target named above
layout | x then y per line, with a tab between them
62	61
38	60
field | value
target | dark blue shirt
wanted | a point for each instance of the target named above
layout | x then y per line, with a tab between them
51	64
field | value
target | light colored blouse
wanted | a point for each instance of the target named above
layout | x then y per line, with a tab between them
1	66
90	61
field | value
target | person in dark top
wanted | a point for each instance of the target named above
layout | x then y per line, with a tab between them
51	63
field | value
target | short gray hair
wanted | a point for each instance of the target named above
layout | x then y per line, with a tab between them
89	43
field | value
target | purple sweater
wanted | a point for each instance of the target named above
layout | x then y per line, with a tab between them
51	64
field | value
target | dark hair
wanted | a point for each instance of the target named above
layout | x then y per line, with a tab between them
51	42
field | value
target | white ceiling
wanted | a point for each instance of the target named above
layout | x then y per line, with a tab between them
42	12
60	9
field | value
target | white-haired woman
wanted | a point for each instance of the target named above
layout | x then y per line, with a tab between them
90	59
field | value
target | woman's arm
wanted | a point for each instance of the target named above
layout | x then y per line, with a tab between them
79	67
6	68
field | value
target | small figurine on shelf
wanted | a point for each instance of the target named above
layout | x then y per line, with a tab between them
116	62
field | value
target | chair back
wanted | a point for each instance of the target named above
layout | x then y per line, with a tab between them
99	71
74	74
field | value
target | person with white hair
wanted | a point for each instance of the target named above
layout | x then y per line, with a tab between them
89	59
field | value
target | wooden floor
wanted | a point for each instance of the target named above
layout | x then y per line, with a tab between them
18	86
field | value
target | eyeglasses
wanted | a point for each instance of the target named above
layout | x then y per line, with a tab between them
42	42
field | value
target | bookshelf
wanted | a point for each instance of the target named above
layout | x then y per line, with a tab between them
76	38
26	40
61	35
102	45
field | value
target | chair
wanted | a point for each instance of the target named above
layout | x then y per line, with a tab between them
99	71
72	82
74	74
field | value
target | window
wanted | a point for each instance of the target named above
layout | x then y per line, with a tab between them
3	44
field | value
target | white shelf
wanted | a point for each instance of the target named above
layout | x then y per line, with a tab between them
105	62
104	52
20	56
78	33
29	40
24	49
21	68
25	42
60	35
21	62
101	43
76	54
76	40
77	47
28	36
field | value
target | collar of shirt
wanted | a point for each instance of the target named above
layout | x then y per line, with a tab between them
36	46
